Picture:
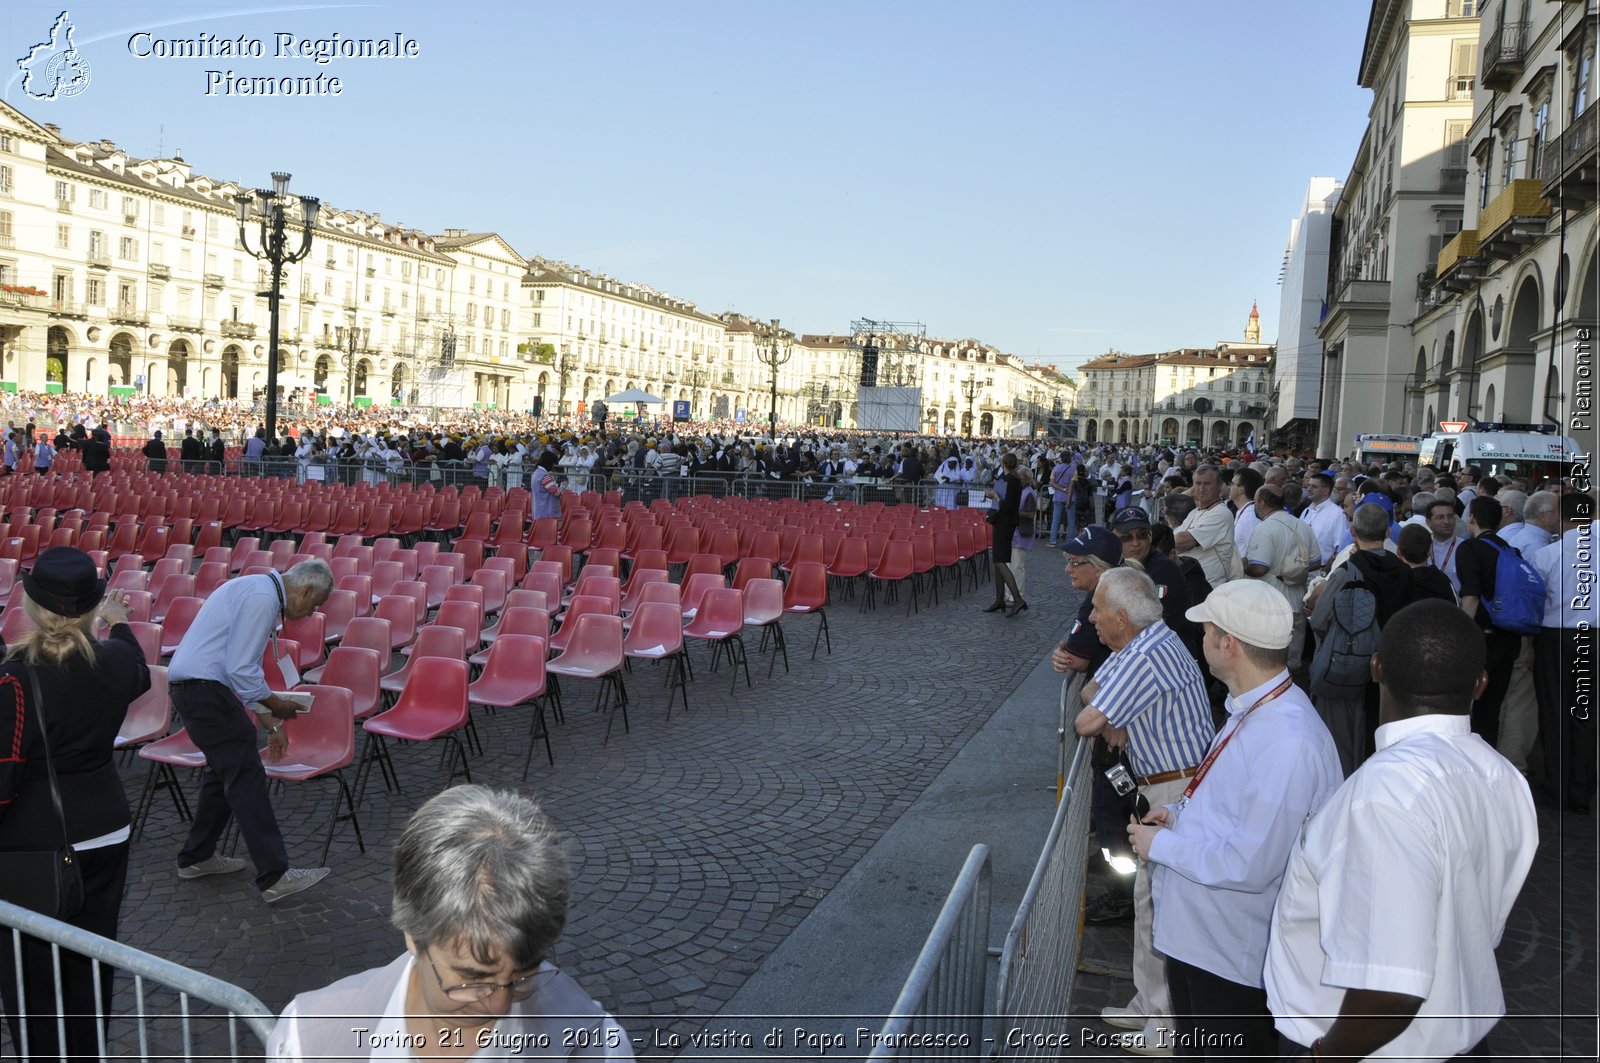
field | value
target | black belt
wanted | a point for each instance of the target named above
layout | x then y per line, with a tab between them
192	682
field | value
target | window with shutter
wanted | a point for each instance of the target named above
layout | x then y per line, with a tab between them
1463	68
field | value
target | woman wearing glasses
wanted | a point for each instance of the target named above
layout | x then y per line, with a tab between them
480	892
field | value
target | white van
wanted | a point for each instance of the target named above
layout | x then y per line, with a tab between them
1531	452
1372	446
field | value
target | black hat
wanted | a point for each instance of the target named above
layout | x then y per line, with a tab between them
1095	541
64	581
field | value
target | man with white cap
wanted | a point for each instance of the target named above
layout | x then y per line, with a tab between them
1220	850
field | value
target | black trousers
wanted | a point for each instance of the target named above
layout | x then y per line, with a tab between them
1563	673
1289	1050
105	874
1502	649
233	785
1216	1018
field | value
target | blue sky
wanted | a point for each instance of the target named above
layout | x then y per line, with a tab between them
1054	178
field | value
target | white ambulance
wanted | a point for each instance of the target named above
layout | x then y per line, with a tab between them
1530	452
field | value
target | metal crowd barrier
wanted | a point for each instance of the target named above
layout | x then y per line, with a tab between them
178	1013
940	1009
1039	963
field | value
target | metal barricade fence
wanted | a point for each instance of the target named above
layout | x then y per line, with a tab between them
1039	962
227	1023
940	1009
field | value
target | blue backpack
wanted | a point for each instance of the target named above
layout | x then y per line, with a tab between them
1518	602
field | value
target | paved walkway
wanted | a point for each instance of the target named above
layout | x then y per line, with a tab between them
781	851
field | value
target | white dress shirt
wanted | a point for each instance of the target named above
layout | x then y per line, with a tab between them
1402	884
1218	867
229	635
1528	539
1328	523
1212	529
1568	567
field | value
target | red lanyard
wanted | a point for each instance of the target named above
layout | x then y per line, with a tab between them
1216	750
1447	554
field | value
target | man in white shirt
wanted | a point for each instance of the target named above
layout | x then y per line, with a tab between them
1206	534
1220	850
1280	553
1566	641
1325	517
1384	932
1442	550
1540	522
1242	493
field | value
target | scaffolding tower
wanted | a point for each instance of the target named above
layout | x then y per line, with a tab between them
897	344
439	382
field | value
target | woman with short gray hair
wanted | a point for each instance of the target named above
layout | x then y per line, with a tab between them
481	889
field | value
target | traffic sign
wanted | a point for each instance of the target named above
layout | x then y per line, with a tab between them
1452	427
680	410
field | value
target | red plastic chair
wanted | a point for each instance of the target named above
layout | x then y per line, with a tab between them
600	586
898	566
595	652
358	669
694	590
576	610
632	594
432	705
311	635
176	623
657	634
209	576
701	564
468	616
763	608
149	716
514	675
165	756
495	584
401	612
807	592
367	633
561	555
435	640
322	744
720	621
172	588
520	620
149	636
337	612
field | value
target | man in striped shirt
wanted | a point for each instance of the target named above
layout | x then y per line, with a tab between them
1151	698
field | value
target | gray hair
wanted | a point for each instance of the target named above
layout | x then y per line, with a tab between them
1370	522
1512	501
314	573
1420	503
1540	504
1133	594
484	870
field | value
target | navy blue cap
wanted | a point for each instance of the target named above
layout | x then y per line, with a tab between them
1095	541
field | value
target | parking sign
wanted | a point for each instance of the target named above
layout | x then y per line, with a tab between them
680	410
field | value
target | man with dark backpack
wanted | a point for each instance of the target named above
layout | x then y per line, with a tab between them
1348	614
1505	596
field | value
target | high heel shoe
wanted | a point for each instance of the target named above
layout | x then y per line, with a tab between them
996	607
1015	609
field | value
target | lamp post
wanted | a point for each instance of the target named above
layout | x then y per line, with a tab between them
774	354
567	364
350	363
970	388
270	207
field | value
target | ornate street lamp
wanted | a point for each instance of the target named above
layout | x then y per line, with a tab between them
970	388
567	364
774	354
270	207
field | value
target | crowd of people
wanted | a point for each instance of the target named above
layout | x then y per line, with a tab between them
1370	671
1319	695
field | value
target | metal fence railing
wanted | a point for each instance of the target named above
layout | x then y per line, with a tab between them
161	1010
1039	963
940	1010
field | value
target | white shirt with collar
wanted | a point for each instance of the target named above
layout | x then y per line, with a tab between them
1218	867
1402	884
1328	523
1527	539
1571	590
1442	556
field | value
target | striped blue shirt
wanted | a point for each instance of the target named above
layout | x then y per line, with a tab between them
1153	689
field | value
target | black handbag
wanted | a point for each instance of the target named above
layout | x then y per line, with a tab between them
47	881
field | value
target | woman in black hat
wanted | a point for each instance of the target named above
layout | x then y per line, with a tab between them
86	687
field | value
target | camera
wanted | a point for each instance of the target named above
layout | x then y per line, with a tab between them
1121	781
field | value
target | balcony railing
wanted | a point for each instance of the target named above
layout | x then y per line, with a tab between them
129	315
68	308
184	324
1458	255
1453	180
238	330
1458	87
1502	56
308	294
160	271
98	260
7	241
327	341
1567	167
214	280
1508	222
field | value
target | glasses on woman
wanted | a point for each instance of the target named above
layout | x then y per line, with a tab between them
472	992
1132	537
1079	562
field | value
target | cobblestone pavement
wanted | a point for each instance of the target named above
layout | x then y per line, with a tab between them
700	841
